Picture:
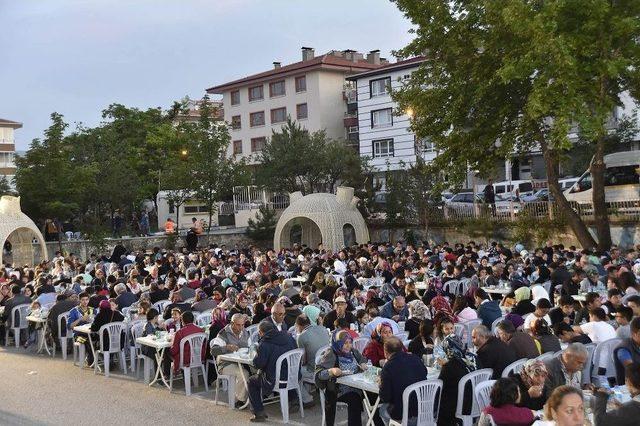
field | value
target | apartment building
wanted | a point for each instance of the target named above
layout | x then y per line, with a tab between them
384	134
311	91
8	148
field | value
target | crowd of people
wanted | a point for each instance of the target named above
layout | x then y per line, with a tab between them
394	296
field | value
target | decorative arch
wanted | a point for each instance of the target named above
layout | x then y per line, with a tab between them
20	231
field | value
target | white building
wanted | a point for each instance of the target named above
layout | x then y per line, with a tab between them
8	148
186	212
311	92
384	137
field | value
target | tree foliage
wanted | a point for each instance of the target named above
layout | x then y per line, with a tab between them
263	227
512	76
294	159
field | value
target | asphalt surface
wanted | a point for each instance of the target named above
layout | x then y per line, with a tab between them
41	390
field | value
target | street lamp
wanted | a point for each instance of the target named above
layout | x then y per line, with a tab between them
409	112
184	152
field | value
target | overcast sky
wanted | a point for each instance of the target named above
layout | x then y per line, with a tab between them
76	57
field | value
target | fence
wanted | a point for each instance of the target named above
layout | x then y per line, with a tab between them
510	211
252	198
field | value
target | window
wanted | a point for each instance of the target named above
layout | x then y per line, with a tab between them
301	83
276	88
256	119
278	115
352	129
380	87
256	93
172	207
424	145
196	209
621	175
237	147
257	144
301	111
236	122
381	118
235	97
383	148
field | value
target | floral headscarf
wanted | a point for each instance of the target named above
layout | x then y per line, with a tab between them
454	349
441	304
418	309
218	317
338	340
531	369
376	334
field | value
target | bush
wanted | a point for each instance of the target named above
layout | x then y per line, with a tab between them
264	226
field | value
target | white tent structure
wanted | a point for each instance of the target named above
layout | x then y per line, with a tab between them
20	231
333	220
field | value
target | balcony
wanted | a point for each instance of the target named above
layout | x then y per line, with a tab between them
353	138
350	95
350	119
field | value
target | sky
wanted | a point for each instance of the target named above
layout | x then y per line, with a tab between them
76	57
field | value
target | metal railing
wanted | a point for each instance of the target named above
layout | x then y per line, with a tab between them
252	198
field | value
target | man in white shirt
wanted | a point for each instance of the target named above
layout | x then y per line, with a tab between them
278	312
542	311
598	329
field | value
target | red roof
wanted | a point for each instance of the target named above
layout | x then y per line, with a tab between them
407	63
327	61
9	123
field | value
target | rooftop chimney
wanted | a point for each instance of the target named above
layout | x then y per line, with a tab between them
349	54
276	65
307	53
373	57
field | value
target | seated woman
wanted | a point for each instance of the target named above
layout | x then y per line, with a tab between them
541	331
503	409
444	329
340	359
462	310
533	393
565	407
422	344
458	363
150	327
410	292
523	303
106	315
418	312
374	351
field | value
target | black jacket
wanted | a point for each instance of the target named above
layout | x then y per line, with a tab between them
273	344
495	354
625	415
401	371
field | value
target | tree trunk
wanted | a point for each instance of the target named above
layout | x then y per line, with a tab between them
577	225
600	214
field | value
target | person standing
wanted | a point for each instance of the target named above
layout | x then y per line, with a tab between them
144	223
490	196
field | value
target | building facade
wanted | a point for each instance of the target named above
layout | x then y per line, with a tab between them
311	92
8	149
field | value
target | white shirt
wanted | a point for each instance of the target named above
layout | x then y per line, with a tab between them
598	331
531	318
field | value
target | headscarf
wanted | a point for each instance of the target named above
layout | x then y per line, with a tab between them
440	307
376	334
200	295
515	319
523	293
312	312
532	368
218	317
418	309
370	295
231	294
104	305
338	340
454	349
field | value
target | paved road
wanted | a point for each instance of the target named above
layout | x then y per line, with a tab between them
40	390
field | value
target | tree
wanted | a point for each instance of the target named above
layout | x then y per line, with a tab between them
5	186
507	77
263	227
297	160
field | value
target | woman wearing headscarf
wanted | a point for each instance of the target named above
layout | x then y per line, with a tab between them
418	311
312	312
523	303
106	315
231	294
203	303
374	351
530	380
440	308
459	362
241	307
218	322
341	359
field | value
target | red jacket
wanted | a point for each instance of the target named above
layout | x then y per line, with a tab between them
185	331
374	351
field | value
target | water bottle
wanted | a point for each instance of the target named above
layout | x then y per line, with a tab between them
369	373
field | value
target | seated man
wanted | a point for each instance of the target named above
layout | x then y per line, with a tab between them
542	312
125	298
273	343
623	316
598	329
564	312
488	310
401	370
311	338
188	328
614	301
567	334
624	414
628	351
340	311
300	299
17	299
567	368
491	352
521	343
592	301
396	309
232	337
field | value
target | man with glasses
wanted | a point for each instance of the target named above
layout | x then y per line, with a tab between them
231	338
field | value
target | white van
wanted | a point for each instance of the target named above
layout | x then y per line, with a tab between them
567	183
506	190
621	180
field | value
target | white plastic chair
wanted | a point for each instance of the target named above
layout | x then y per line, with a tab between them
403	335
588	366
428	393
114	332
465	283
452	287
321	391
474	378
360	343
514	367
494	324
253	333
127	268
160	305
196	345
135	351
459	330
63	339
545	357
18	316
603	358
204	319
483	393
401	325
228	380
282	387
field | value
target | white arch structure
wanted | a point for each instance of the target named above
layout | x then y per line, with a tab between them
19	230
323	218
